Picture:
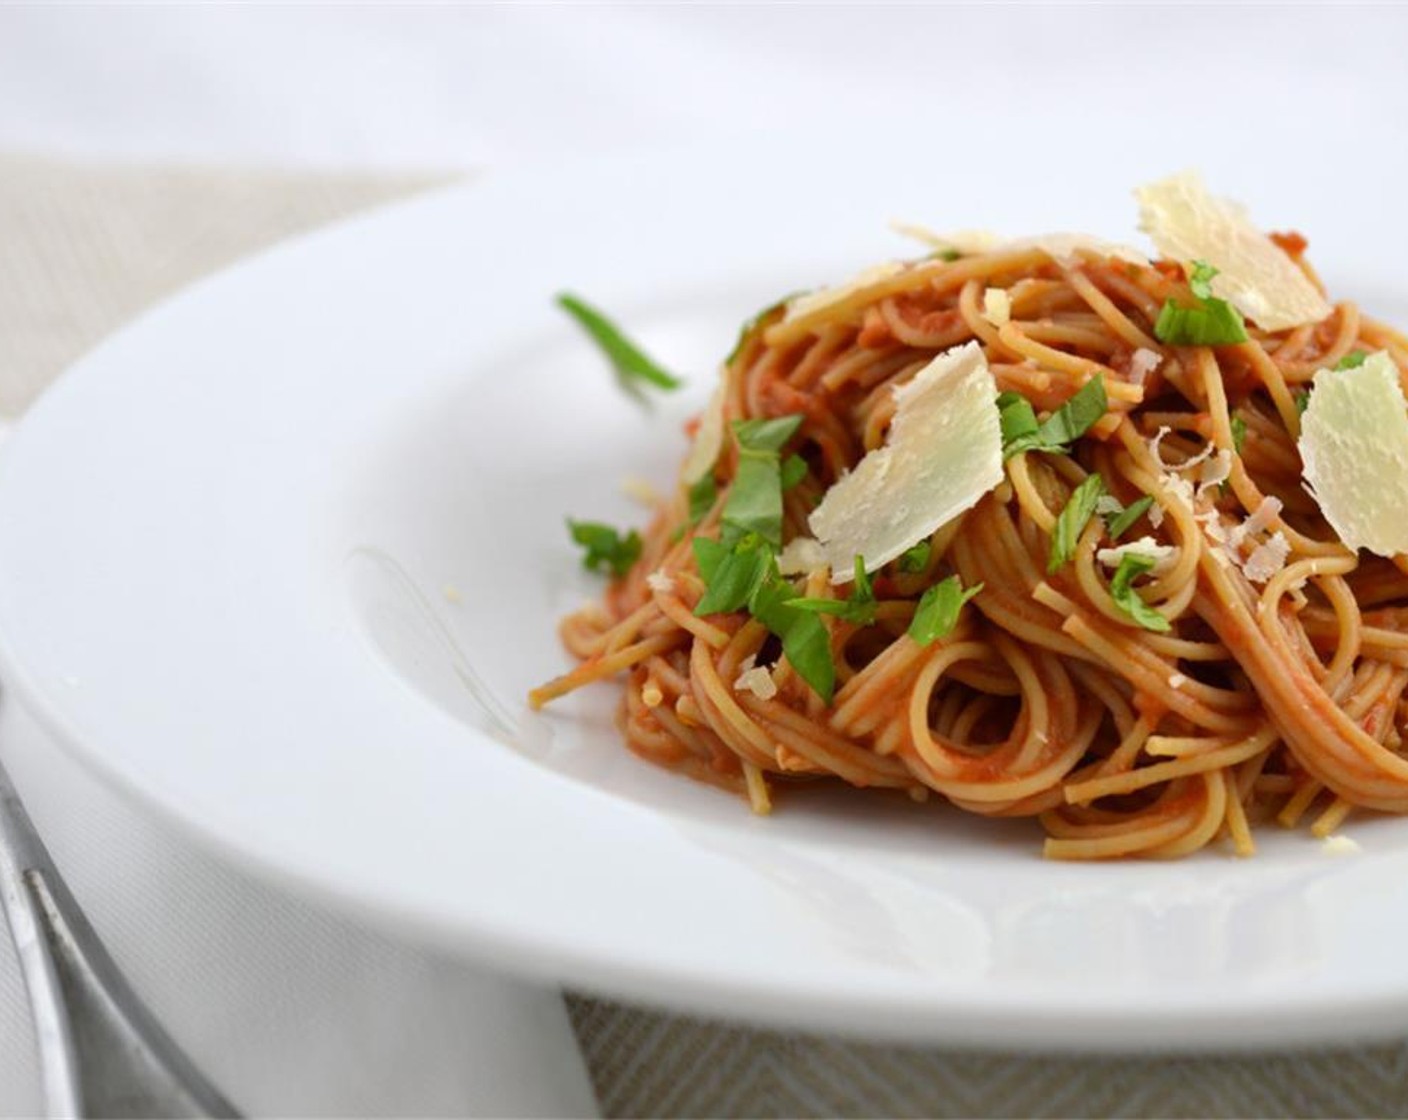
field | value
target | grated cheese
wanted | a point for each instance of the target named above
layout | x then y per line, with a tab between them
1340	846
943	453
1255	275
755	679
1354	446
1177	680
660	581
1142	363
997	306
1267	559
1163	555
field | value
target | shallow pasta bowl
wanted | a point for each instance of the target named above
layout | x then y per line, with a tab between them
283	558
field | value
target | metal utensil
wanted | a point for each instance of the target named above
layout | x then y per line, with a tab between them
101	1052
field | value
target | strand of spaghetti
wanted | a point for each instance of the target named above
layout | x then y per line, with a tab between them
1120	324
601	668
1117	784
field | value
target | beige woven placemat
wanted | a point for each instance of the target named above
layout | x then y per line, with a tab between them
83	249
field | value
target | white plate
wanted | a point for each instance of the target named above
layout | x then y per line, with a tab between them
225	537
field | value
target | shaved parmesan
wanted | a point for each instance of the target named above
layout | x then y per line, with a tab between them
1263	518
943	453
997	306
822	298
802	556
1267	559
660	581
1354	446
1063	248
755	679
1254	274
709	439
1142	363
1163	555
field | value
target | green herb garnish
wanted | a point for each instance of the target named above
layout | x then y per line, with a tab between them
1117	525
937	613
1134	564
1073	520
754	502
858	608
632	365
731	575
1302	399
804	636
1212	322
1239	433
1021	432
916	559
1353	360
794	469
606	549
702	496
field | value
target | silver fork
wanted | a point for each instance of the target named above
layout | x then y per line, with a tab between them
101	1052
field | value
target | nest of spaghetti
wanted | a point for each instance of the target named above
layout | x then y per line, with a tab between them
1246	667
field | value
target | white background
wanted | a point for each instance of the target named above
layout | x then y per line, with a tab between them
483	86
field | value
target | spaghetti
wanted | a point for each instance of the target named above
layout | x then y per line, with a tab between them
1274	689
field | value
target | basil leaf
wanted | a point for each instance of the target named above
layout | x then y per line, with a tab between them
1073	520
1214	323
702	496
794	469
916	559
1126	517
805	640
945	255
754	502
1302	399
1353	360
632	365
1239	433
1074	418
1200	282
859	608
766	435
938	609
1133	564
732	578
606	549
1018	420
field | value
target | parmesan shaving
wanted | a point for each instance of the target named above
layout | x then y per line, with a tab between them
1267	559
943	453
1354	446
1262	519
709	438
755	679
1163	555
640	491
822	298
997	306
802	556
1340	846
660	581
1255	275
1142	363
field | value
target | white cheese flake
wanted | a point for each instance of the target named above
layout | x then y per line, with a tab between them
1261	519
708	438
1354	447
1267	559
1177	680
1340	846
755	679
1142	363
660	581
1255	275
823	298
641	491
801	556
997	306
1164	556
943	453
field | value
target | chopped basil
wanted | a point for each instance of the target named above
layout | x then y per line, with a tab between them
1134	564
794	469
858	608
632	365
1117	525
754	502
1213	322
804	636
1200	282
937	613
915	559
1021	432
1239	433
1073	520
731	575
606	549
945	255
702	496
1353	360
1302	399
